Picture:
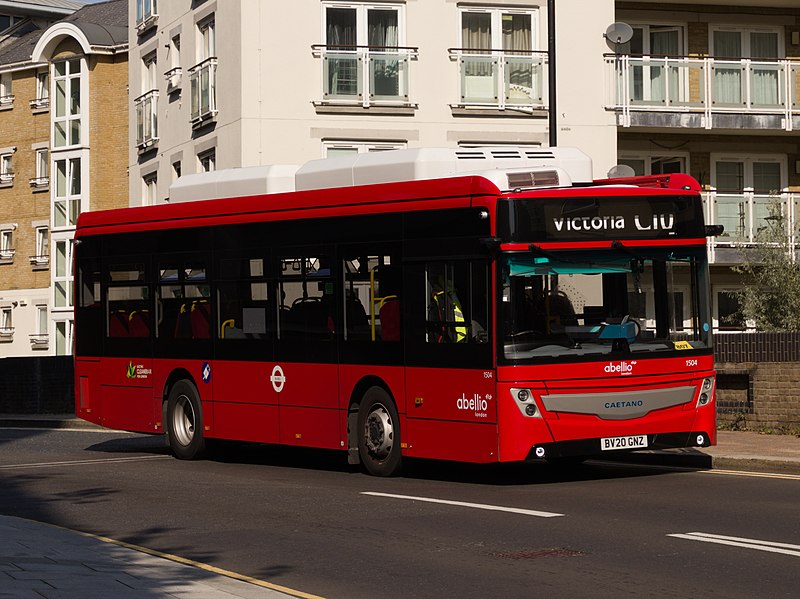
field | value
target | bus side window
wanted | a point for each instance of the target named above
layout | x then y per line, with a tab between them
372	297
244	299
457	302
129	312
184	310
307	304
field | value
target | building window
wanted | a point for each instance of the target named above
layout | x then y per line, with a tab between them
6	324
40	338
149	189
343	148
208	161
174	75
67	118
63	337
42	179
42	256
176	170
7	21
655	164
7	250
42	99
6	95
147	105
746	190
63	274
202	76
498	63
735	81
67	200
6	170
146	15
363	57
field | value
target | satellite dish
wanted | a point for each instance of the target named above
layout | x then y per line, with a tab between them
618	33
621	170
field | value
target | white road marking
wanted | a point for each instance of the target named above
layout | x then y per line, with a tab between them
84	462
770	546
480	506
753	474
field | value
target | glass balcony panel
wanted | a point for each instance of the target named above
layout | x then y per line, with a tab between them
728	79
479	79
523	80
765	88
388	76
342	73
732	214
768	212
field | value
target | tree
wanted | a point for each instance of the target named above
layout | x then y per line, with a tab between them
771	298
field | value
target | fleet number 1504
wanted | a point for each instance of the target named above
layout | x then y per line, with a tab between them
691	363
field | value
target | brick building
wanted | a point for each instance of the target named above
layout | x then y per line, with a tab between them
63	135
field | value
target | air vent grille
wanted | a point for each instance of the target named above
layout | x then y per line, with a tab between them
533	179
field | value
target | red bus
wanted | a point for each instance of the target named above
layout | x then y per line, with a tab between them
477	305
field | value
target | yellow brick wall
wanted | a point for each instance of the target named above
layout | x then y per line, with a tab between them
108	132
21	127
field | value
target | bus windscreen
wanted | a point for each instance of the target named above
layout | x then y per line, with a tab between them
583	304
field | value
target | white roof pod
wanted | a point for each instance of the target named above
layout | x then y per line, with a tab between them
508	167
233	182
434	163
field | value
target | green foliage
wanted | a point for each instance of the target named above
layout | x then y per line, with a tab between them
771	298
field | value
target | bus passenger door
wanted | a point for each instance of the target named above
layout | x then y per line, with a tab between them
450	382
304	377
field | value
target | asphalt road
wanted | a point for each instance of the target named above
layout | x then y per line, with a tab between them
305	520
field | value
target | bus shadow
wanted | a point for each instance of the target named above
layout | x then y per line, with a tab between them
303	458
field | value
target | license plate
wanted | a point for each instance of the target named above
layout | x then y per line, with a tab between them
632	442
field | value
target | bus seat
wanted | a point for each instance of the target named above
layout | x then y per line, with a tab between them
139	323
118	325
200	318
183	325
389	313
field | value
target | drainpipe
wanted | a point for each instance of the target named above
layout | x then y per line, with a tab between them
552	112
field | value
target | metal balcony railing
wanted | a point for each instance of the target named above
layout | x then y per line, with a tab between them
365	75
147	119
501	78
709	86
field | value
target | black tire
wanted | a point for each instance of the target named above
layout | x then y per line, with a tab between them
379	433
184	422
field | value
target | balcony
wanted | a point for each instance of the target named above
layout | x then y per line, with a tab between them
7	256
39	340
502	80
6	102
744	214
365	76
6	334
203	84
7	178
174	78
39	183
146	120
146	15
704	93
39	104
42	261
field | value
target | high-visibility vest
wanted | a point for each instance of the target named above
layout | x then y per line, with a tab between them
460	328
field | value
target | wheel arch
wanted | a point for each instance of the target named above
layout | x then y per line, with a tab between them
359	389
179	374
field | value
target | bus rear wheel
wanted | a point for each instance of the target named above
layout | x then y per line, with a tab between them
379	433
185	422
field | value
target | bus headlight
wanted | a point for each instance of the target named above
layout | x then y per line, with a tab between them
706	391
525	402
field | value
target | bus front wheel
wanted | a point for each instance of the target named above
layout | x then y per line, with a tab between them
185	422
379	433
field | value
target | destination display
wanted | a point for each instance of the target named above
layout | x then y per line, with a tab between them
595	218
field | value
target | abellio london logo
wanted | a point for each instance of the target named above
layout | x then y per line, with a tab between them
621	368
476	404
